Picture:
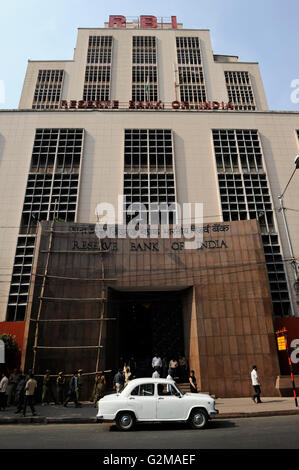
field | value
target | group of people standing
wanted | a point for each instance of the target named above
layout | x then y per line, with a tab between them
17	389
177	368
20	390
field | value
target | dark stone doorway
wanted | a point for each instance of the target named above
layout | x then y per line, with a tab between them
148	323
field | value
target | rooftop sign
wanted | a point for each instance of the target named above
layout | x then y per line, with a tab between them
143	22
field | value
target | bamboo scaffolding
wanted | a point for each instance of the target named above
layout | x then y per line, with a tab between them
42	298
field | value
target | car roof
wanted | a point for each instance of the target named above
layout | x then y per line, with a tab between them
150	380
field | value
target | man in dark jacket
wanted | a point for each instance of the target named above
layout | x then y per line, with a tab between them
73	389
118	381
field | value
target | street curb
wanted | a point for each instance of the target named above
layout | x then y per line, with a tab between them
258	414
221	416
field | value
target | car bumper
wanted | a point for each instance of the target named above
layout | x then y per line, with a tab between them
213	413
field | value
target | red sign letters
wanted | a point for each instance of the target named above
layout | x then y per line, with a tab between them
146	21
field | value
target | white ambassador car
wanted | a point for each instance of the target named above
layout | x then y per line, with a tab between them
155	400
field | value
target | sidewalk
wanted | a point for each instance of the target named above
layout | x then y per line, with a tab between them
229	408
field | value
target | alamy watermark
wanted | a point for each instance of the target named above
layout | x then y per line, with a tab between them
295	94
151	221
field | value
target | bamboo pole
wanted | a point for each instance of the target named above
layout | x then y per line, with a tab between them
41	296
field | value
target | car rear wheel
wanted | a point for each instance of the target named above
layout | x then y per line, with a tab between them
125	421
198	419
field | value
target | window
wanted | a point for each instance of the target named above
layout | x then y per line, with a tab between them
191	81
239	90
144	69
48	89
98	69
51	191
148	170
244	194
144	390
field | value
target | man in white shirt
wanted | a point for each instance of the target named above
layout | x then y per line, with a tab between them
156	362
3	388
256	385
169	377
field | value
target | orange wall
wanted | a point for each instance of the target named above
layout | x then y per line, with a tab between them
14	328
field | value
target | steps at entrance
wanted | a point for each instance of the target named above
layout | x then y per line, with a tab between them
185	387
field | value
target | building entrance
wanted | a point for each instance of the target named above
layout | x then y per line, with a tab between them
149	323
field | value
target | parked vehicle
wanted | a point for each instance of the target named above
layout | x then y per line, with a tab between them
149	399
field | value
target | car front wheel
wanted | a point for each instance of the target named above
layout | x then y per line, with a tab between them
198	419
125	421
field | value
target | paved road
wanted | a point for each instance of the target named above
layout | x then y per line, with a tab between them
250	433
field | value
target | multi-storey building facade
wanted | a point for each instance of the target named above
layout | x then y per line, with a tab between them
144	109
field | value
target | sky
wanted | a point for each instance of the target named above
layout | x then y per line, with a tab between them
264	31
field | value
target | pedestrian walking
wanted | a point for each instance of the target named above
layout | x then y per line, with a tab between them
30	388
118	381
80	385
72	392
256	385
100	389
47	392
3	389
60	388
13	380
193	382
20	394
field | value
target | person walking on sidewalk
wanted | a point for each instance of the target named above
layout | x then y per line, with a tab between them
47	393
30	388
11	387
72	393
3	389
20	394
256	385
80	385
118	381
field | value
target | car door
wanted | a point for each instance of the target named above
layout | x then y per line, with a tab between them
170	406
142	401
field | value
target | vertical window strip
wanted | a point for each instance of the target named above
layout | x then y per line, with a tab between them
244	194
98	69
51	191
144	69
190	72
148	169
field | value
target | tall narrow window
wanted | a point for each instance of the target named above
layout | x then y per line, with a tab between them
98	69
144	69
191	81
48	89
240	91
